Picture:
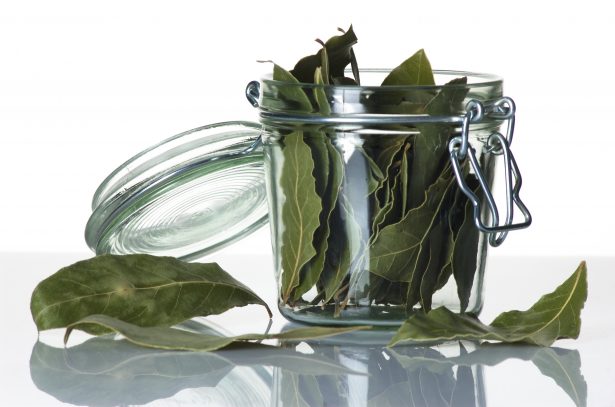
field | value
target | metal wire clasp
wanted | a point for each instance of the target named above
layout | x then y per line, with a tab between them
460	148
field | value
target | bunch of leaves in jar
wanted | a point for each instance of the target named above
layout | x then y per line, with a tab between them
372	217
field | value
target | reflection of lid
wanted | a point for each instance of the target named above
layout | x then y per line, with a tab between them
185	197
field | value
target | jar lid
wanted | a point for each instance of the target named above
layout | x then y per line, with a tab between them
185	197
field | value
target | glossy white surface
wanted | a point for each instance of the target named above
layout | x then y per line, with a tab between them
153	378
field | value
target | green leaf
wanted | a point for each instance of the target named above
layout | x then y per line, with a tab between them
554	316
345	245
319	92
149	290
176	339
465	251
431	144
294	93
394	254
328	172
300	211
415	70
339	54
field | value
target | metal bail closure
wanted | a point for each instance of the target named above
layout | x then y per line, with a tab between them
460	148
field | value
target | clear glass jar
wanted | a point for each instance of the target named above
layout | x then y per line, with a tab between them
367	220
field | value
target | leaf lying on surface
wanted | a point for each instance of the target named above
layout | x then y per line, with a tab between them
554	316
149	290
176	339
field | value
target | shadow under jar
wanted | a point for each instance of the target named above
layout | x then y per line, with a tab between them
368	221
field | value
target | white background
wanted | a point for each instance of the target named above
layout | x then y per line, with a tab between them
85	85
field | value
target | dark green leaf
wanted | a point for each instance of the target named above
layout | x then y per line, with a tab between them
415	70
294	93
149	290
339	52
554	316
465	251
300	211
176	339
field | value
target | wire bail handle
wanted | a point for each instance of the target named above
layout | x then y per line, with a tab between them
460	148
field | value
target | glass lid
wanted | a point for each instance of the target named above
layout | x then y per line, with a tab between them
184	197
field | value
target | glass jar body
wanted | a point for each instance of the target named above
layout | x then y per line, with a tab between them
367	221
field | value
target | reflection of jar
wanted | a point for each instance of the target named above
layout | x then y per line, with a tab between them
367	218
377	376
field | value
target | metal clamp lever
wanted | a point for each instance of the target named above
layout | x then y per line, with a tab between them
460	148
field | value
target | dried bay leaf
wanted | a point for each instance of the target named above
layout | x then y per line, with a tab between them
338	50
177	339
465	251
294	94
415	70
300	211
431	144
394	254
329	172
554	316
146	289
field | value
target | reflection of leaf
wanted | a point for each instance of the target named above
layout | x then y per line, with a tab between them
104	372
561	365
564	367
554	316
300	211
170	338
150	290
299	390
463	393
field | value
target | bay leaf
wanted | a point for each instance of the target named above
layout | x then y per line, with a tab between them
328	172
300	211
295	93
319	93
415	70
465	253
394	254
431	143
345	242
140	288
554	316
177	339
338	50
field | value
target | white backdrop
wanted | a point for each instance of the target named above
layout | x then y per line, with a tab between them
85	85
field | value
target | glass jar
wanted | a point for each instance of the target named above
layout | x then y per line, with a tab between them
368	194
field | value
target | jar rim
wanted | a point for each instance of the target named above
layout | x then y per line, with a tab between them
480	80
